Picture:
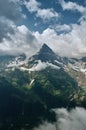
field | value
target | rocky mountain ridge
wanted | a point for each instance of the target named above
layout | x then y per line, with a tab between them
45	55
47	58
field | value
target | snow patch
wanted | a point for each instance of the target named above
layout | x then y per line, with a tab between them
32	81
16	62
58	62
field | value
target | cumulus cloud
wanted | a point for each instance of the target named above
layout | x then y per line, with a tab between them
14	39
72	6
71	44
62	28
46	14
10	13
22	41
19	39
73	120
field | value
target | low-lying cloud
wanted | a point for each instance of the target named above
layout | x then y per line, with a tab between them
42	65
73	120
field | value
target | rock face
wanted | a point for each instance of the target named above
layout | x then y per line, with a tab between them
47	57
46	54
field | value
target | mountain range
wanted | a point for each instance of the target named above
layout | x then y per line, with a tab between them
45	55
76	67
31	88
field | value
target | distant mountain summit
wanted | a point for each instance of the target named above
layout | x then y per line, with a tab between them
45	58
46	54
46	49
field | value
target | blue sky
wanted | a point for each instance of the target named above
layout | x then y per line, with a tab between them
26	24
64	16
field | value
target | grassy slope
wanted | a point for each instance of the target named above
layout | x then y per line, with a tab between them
24	105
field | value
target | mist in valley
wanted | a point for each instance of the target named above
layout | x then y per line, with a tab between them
74	119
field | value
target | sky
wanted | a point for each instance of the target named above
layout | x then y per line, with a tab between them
26	24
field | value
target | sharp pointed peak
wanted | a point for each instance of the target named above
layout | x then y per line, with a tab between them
45	45
46	48
46	53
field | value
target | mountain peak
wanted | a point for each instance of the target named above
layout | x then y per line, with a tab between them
45	46
46	49
46	54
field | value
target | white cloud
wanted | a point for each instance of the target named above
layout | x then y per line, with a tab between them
39	66
14	39
46	126
42	65
46	14
73	120
62	28
19	39
72	44
32	5
22	41
10	14
72	6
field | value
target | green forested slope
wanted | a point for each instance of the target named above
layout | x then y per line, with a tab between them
24	105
